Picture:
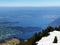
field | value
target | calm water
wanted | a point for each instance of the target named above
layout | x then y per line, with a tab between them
29	16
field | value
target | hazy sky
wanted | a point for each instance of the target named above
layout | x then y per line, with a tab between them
29	3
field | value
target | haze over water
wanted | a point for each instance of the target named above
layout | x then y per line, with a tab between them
30	16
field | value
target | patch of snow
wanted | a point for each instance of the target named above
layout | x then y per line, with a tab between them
49	39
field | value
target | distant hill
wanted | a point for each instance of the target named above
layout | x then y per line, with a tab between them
55	23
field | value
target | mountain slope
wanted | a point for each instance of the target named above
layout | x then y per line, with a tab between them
55	23
49	39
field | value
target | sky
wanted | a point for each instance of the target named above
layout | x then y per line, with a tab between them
33	3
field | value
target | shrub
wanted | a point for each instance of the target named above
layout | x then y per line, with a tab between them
55	40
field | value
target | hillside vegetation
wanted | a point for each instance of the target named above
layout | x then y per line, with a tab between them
38	36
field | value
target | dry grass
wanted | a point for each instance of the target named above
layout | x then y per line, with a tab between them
13	41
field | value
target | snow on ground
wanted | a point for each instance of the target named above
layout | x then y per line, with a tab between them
49	39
